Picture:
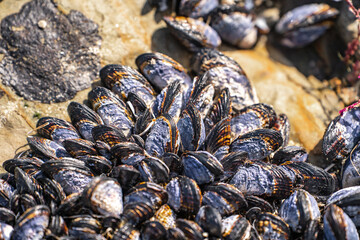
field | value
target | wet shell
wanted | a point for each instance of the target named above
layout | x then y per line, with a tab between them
232	161
252	117
217	141
123	79
108	134
259	144
207	58
184	196
236	227
126	175
161	70
290	153
235	26
153	230
104	196
111	109
32	223
225	198
79	147
282	124
6	231
241	91
84	119
303	25
46	147
192	33
166	216
197	8
153	170
201	166
338	225
190	229
163	137
136	213
191	128
341	135
350	175
299	210
56	129
262	179
271	226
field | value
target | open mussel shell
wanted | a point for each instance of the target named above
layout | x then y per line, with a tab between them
349	200
207	58
184	196
241	91
209	220
32	223
341	135
169	101
201	166
71	174
56	129
259	144
112	110
225	198
236	227
197	8
46	147
104	196
193	34
251	118
338	225
161	70
163	137
290	153
84	119
350	174
304	24
235	26
299	210
275	181
271	226
153	230
191	128
123	79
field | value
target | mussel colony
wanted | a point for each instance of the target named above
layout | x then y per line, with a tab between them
159	155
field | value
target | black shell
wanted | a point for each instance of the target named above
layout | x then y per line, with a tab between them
56	129
190	229
235	227
209	219
271	226
153	230
46	147
197	8
290	153
217	142
193	34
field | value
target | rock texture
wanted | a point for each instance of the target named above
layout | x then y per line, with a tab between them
127	32
49	56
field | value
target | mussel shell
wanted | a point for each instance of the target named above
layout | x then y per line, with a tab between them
163	137
192	33
84	119
338	225
71	205
191	128
290	153
174	163
235	227
136	213
52	190
47	147
263	179
176	234
257	202
83	223
153	230
271	226
97	164
225	198
190	229
70	173
6	192
259	144
108	134
28	165
209	219
79	147
282	124
252	117
128	232
104	196
207	58
6	231
56	129
234	26
32	223
169	101
161	70
201	166
126	175
153	170
197	8
217	142
7	216
232	161
241	91
184	195
112	110
166	216
299	209
350	175
123	79
125	150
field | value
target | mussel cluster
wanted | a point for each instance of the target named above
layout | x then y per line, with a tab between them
155	154
206	23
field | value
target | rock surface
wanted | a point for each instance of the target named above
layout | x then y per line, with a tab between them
309	103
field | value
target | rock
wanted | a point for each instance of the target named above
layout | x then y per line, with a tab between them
49	56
